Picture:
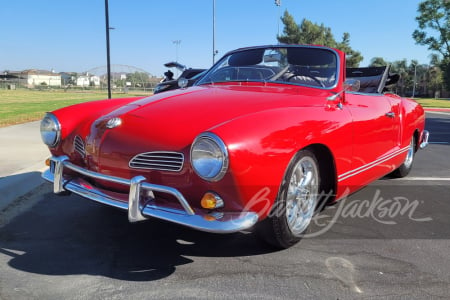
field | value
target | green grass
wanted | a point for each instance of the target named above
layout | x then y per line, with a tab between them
438	103
19	106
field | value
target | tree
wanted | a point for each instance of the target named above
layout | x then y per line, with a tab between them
292	33
378	62
428	78
434	76
353	58
311	33
445	67
138	78
434	31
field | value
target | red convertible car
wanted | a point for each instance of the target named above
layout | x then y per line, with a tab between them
266	135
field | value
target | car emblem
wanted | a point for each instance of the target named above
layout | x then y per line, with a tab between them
113	123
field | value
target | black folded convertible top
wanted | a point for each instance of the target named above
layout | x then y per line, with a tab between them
372	79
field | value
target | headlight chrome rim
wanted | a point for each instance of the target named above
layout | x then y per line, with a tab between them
215	140
50	134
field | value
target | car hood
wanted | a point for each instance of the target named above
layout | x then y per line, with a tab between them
176	118
170	121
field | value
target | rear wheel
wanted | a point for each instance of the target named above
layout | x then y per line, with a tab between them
406	167
296	202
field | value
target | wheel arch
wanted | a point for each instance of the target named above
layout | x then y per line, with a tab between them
416	136
327	171
273	228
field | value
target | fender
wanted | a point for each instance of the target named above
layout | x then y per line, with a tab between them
413	121
84	113
281	134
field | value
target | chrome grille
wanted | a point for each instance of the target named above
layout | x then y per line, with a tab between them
78	145
158	160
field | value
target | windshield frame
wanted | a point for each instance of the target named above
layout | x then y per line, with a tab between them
236	62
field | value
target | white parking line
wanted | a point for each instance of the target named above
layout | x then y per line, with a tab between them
438	112
425	178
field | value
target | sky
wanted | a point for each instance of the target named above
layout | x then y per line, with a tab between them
69	36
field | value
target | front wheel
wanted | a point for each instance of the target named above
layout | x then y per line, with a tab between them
295	204
406	166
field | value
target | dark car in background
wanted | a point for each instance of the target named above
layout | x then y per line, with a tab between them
187	77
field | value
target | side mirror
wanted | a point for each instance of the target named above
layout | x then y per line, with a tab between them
352	85
183	82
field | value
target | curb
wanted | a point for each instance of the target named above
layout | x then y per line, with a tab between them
432	109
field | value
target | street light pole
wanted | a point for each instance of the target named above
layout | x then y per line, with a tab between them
177	44
108	61
214	31
414	81
278	3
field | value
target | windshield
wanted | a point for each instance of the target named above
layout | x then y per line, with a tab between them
301	65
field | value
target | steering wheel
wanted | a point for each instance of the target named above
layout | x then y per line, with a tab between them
309	76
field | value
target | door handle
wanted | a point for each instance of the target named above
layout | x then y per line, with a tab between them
390	114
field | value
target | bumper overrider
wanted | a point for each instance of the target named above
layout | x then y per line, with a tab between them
216	222
425	137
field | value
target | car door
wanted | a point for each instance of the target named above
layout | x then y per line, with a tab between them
396	116
374	135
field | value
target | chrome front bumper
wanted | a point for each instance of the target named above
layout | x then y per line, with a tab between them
219	222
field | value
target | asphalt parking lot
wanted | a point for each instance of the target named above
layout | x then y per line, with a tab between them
390	240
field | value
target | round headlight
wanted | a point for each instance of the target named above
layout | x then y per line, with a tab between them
50	130
209	157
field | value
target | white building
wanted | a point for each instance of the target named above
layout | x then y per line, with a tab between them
34	78
82	80
88	80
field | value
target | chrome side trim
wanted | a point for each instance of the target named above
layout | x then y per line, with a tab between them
136	206
425	137
370	165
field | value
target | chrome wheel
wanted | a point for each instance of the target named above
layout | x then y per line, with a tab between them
296	202
302	193
410	155
407	164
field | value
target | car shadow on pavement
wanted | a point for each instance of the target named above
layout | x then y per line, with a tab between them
71	236
16	185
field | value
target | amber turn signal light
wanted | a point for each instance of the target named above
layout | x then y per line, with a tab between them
47	162
211	201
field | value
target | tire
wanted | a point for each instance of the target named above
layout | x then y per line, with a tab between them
296	202
406	166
